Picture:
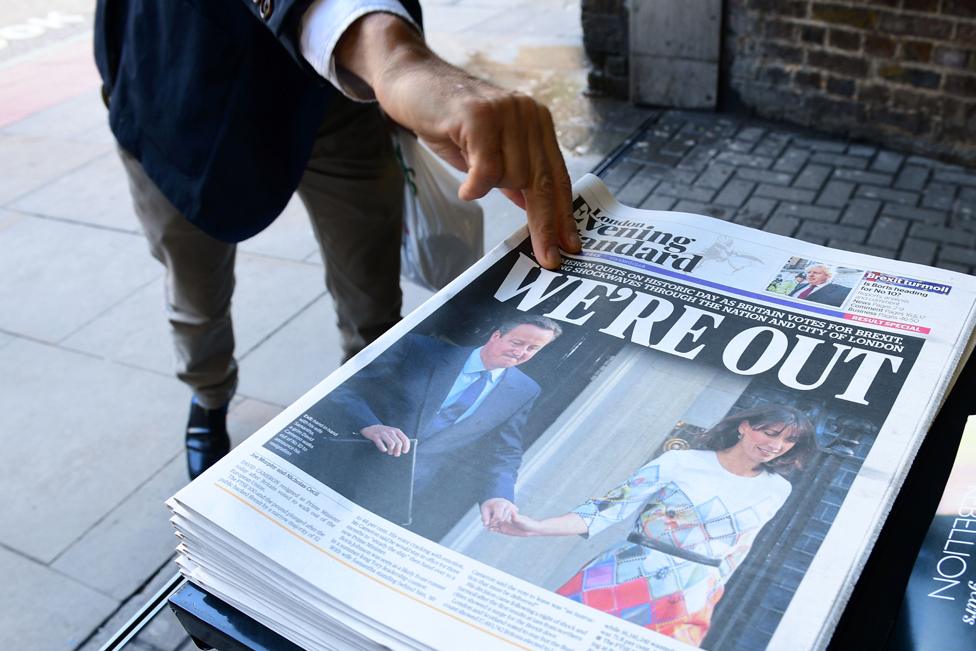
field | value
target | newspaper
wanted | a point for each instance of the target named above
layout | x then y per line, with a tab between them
939	610
687	436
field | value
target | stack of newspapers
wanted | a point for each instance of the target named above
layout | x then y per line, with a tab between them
688	436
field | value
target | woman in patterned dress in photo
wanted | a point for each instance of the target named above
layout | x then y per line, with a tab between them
697	514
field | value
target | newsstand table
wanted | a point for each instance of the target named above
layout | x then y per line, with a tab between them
212	623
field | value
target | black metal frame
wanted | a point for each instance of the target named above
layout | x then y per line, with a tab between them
144	615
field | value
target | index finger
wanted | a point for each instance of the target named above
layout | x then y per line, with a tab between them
548	198
566	230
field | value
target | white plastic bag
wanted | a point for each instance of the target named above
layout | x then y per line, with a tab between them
442	235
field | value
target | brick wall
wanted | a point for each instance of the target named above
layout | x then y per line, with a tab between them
605	41
898	72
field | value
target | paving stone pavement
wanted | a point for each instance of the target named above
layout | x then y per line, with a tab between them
851	196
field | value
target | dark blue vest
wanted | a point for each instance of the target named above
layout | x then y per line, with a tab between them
215	100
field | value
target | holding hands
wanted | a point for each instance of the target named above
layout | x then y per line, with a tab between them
518	525
496	512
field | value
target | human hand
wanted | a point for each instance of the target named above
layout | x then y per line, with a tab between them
521	526
499	137
496	511
390	440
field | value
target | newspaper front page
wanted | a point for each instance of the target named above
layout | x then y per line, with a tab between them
687	436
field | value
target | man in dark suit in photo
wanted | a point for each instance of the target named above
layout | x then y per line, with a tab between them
465	407
818	287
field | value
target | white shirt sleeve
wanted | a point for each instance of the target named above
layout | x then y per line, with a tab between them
324	22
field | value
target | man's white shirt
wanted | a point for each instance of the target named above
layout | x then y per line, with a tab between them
324	23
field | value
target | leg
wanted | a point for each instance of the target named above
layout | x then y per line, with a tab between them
199	285
353	190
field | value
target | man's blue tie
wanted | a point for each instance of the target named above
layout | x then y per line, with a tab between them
448	415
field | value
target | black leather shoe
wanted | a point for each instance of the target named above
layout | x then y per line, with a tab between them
206	438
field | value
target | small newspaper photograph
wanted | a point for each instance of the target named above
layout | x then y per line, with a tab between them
687	436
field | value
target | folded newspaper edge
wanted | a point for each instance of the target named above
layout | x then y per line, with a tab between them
673	325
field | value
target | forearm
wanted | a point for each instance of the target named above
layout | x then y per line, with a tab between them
568	524
407	78
381	46
500	138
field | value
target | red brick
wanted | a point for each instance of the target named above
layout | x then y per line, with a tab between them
785	53
807	79
951	57
962	85
956	133
832	109
838	63
955	109
880	46
842	87
845	39
775	75
843	15
812	35
931	105
965	33
874	94
965	8
779	29
915	26
794	8
912	76
919	51
892	72
902	121
929	6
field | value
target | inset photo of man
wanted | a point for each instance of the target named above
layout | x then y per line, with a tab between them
815	282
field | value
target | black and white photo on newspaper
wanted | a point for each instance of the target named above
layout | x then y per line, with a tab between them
690	430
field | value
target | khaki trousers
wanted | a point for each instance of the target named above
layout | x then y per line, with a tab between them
353	190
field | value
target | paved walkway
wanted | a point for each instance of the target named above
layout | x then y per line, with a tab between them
847	195
90	415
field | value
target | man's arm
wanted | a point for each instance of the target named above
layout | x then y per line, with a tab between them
497	511
498	503
500	138
498	500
